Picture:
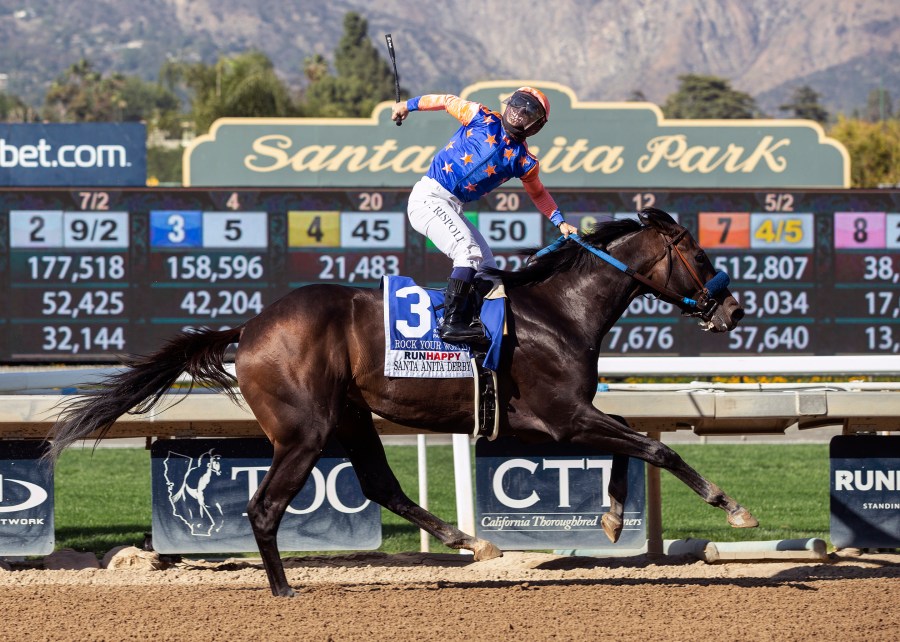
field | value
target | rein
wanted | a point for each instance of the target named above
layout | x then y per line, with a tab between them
704	304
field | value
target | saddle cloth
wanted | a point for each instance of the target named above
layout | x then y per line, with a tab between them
412	345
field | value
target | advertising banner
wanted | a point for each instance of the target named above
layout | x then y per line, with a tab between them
200	490
73	154
532	497
26	499
865	491
585	144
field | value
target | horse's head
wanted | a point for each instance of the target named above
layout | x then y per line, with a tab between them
657	253
213	462
685	276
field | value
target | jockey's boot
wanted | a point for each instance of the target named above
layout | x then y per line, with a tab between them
458	325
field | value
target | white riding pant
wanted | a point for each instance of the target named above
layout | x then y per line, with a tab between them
438	214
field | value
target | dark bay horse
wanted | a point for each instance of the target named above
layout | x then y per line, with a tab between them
310	366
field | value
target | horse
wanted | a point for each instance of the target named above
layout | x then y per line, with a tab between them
310	367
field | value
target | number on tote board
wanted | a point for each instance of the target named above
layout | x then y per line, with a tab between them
371	201
93	200
507	202
73	269
779	202
642	200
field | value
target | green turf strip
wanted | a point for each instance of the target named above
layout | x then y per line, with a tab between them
103	499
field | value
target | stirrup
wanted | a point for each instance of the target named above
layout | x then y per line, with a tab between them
487	408
468	335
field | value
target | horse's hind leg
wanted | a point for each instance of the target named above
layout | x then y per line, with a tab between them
366	452
291	466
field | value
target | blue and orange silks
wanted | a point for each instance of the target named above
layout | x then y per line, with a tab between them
480	156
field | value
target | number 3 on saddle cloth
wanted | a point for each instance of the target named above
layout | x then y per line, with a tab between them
413	347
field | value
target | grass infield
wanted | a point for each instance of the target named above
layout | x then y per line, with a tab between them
103	498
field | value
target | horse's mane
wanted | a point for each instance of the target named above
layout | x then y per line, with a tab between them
572	256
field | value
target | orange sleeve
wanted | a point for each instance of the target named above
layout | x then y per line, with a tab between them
463	110
538	193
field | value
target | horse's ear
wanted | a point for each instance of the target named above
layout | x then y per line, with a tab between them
656	218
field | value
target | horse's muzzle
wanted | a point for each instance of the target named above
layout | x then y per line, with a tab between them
726	316
714	316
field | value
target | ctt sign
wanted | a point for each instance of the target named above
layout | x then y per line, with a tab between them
73	155
26	499
200	490
865	491
551	496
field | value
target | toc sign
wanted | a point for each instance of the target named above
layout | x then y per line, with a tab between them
551	496
67	155
201	487
26	499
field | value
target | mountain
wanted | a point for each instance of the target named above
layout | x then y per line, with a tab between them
606	50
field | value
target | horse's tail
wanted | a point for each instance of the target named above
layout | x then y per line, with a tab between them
140	386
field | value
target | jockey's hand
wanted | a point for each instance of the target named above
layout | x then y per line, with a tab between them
399	111
567	229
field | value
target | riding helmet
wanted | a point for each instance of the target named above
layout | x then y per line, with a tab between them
527	110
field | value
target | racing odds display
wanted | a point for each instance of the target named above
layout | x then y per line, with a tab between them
92	274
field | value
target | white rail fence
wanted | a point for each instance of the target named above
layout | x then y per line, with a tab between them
29	403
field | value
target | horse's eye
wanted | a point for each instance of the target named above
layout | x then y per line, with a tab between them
700	257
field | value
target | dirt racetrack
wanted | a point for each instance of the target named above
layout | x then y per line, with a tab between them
447	597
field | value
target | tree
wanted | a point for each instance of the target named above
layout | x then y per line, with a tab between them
636	96
363	77
72	96
804	103
244	86
708	97
82	94
878	106
874	150
13	109
315	68
164	165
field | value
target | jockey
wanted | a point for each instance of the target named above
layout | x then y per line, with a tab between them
484	153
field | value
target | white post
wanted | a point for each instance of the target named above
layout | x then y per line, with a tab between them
462	472
654	505
423	487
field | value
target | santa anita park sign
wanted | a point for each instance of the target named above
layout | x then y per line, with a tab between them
585	145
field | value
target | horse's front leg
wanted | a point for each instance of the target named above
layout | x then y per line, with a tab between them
597	430
613	520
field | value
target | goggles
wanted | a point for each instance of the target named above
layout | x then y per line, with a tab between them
528	107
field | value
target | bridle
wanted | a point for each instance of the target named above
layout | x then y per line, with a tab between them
702	304
704	300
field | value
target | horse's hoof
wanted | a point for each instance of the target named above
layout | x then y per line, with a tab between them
485	550
612	526
283	592
741	518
